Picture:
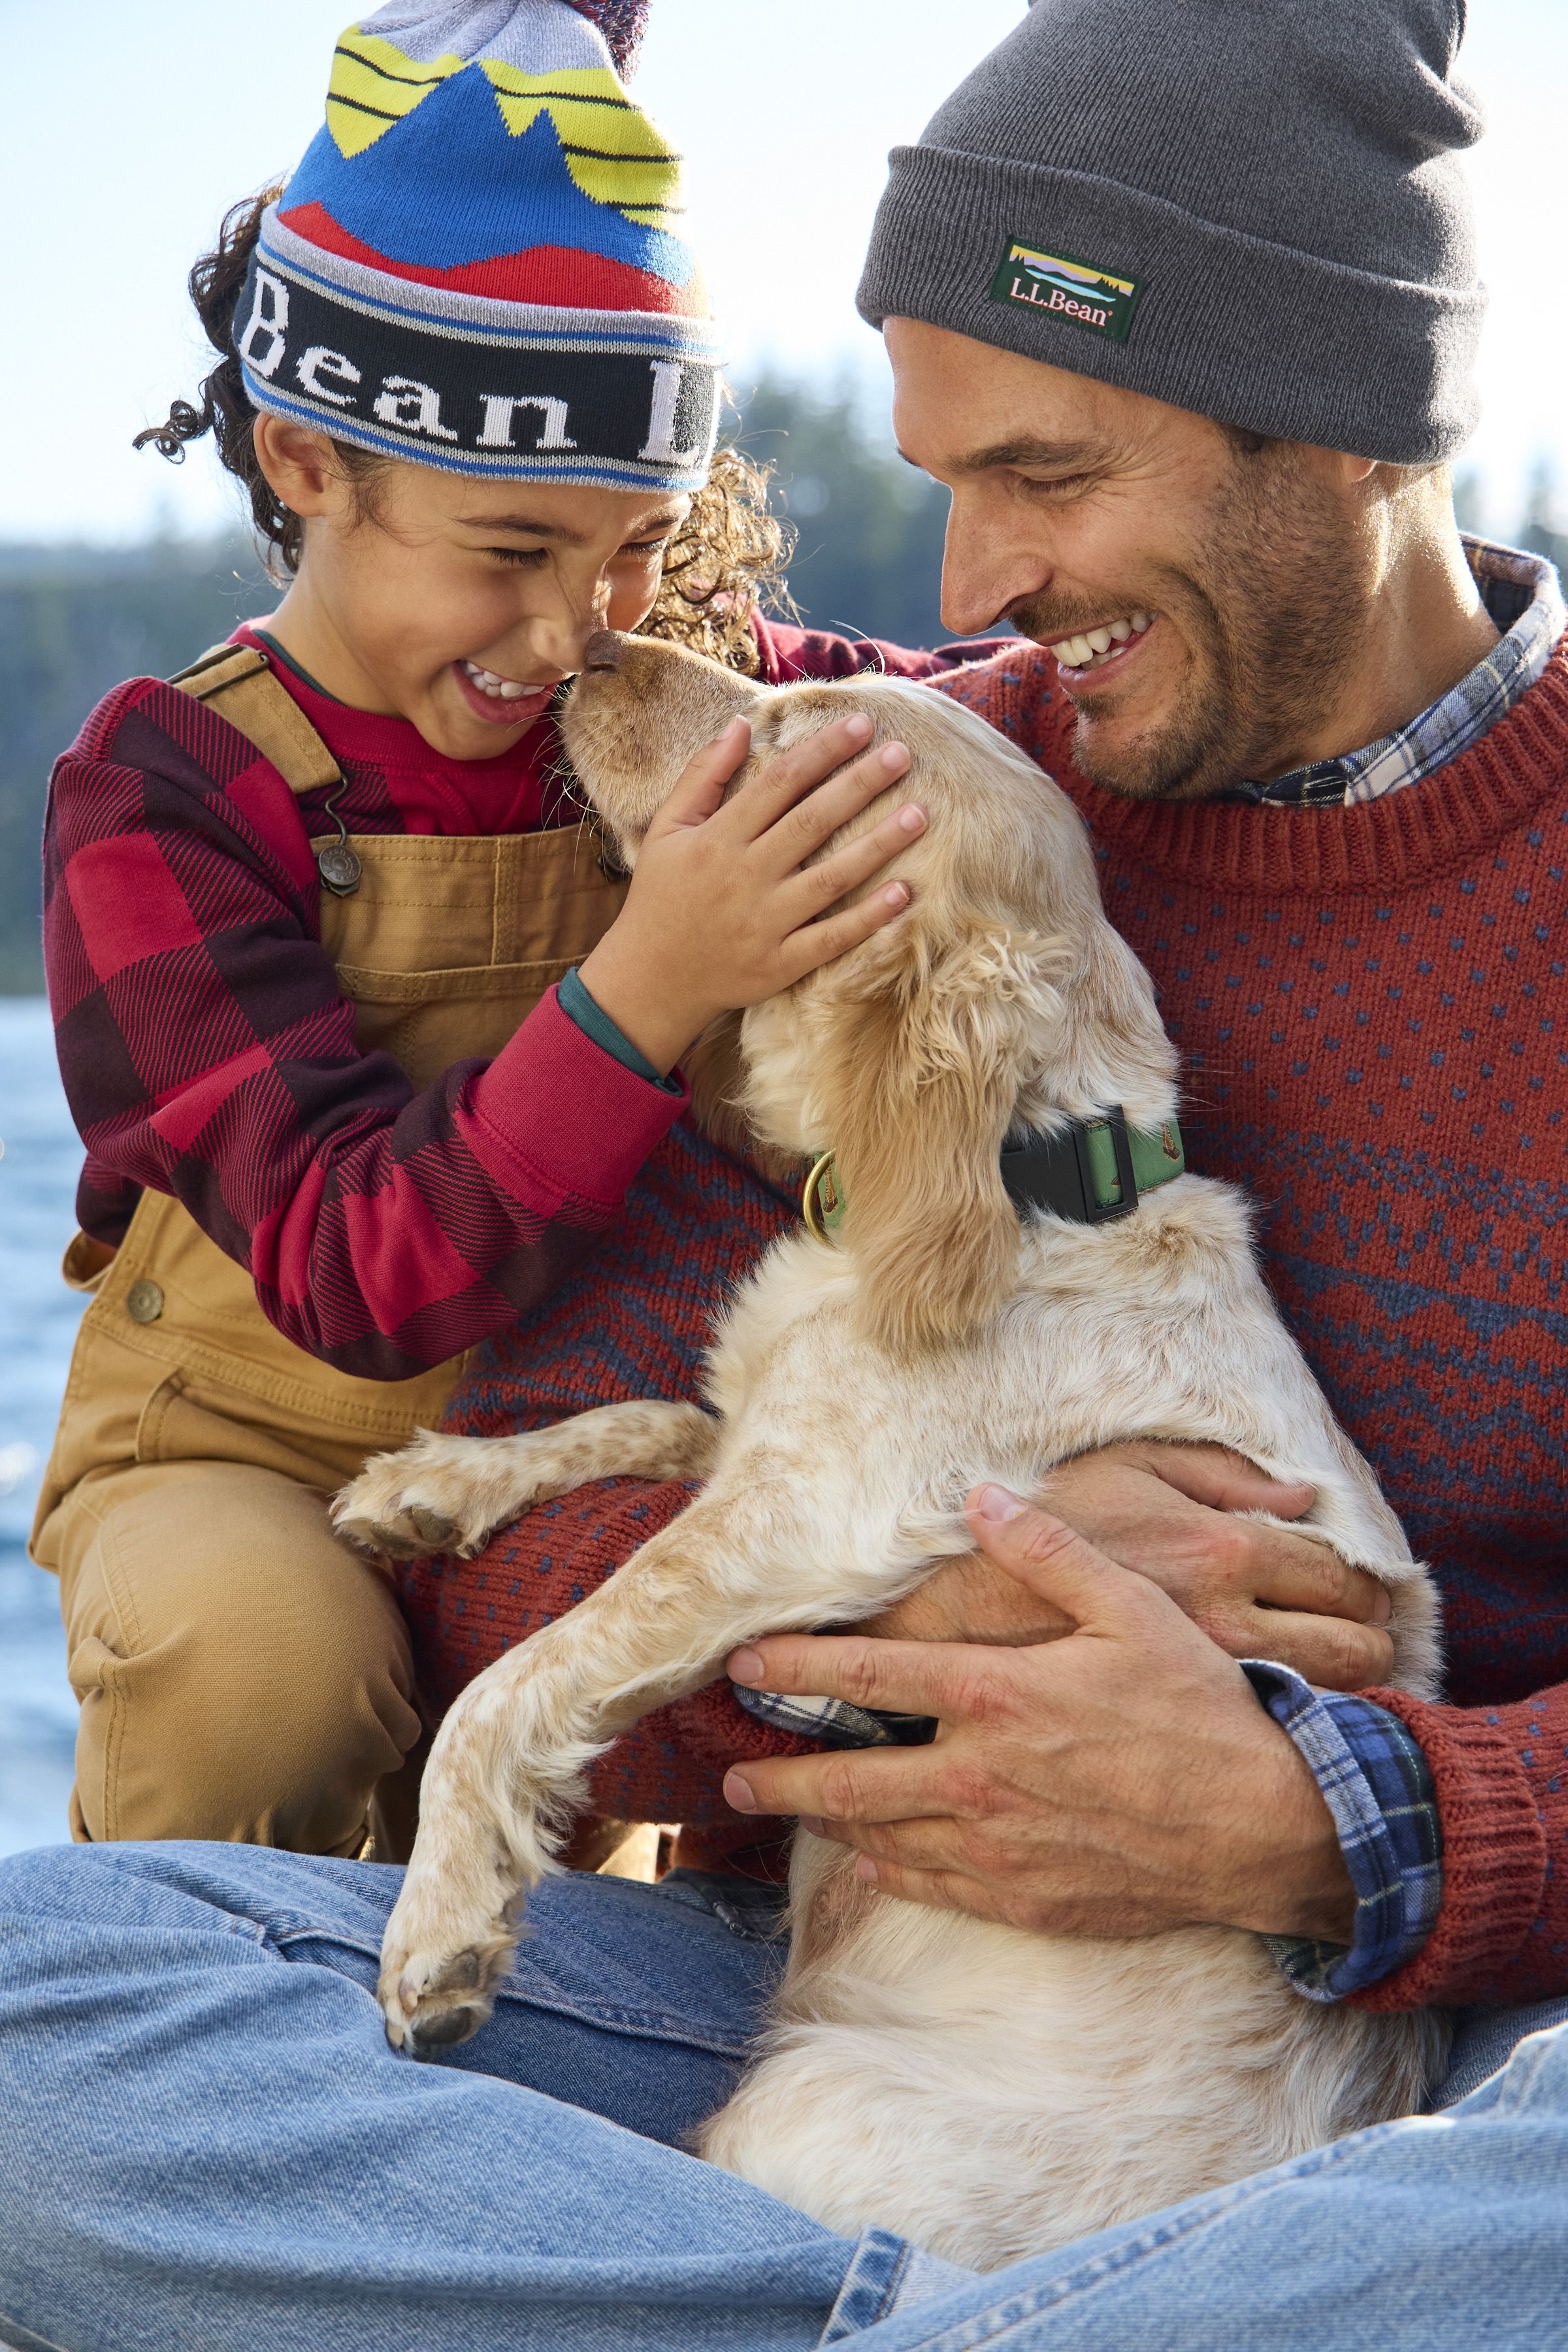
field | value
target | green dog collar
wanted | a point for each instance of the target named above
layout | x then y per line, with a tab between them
1094	1170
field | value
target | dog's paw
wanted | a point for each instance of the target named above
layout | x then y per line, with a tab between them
450	1939
434	1997
440	1493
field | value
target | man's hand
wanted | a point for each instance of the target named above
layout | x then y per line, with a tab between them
1120	1780
1169	1512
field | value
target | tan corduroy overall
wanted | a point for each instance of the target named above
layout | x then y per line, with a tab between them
242	1673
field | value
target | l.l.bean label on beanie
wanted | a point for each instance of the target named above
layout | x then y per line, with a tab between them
1067	287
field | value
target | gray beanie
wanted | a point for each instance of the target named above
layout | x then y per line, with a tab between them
1252	208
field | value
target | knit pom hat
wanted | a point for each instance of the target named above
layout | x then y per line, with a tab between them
477	265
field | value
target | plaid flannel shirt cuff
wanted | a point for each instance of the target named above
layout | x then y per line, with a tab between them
1378	1786
835	1722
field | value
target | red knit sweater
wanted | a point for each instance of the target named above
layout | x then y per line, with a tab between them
1366	1001
1368	1004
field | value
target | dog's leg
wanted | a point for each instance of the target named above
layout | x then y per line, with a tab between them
450	1493
505	1769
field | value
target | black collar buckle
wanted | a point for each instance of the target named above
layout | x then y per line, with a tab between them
1059	1173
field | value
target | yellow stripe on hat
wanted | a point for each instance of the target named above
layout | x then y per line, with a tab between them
612	152
1080	270
373	85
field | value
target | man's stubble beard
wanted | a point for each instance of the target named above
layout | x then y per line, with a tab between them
1271	607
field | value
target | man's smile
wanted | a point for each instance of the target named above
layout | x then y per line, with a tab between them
1090	653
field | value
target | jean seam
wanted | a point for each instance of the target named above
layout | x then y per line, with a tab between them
873	2250
6	2320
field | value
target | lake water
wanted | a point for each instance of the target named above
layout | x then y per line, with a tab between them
38	1324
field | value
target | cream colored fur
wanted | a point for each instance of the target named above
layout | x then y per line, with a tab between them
986	2091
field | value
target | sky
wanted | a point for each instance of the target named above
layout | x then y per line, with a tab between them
119	152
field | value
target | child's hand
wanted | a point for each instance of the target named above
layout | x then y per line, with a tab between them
720	913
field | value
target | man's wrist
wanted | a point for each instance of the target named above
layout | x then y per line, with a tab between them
1300	1885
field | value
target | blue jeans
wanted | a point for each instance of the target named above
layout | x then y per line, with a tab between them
206	2146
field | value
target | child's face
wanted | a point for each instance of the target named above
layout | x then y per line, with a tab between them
395	609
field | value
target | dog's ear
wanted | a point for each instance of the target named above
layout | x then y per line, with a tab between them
920	1073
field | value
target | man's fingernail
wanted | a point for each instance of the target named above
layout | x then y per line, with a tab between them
738	1794
894	755
858	723
996	1503
745	1667
813	1822
866	1869
1382	1607
897	893
914	820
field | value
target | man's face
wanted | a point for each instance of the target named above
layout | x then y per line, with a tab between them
1227	583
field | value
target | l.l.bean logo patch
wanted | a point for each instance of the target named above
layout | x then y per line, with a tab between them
1067	288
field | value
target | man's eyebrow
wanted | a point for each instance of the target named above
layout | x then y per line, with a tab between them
1065	456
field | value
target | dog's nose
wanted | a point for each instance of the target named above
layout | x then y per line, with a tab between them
602	650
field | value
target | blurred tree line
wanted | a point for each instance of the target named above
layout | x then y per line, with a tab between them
74	620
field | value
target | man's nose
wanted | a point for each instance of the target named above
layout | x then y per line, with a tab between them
981	576
602	650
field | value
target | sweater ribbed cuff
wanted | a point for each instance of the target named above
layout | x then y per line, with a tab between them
1494	1858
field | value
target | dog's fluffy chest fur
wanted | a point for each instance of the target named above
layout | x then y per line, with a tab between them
1157	1326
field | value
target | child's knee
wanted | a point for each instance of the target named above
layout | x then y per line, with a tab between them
241	1674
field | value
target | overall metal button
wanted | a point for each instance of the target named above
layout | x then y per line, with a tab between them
145	1302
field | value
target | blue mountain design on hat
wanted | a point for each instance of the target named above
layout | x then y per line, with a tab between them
449	185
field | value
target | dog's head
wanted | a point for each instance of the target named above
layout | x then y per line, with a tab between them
1001	997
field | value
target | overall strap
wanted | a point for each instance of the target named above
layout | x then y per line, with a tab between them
237	682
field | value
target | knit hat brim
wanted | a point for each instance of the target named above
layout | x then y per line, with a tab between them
610	400
1269	355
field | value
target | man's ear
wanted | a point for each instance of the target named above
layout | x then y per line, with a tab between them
923	1071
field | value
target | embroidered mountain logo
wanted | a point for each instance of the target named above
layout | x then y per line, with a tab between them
1079	291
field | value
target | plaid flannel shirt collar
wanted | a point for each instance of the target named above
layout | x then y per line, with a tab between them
1522	595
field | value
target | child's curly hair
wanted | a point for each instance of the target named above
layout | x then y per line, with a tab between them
728	555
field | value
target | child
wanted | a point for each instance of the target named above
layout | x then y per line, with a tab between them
363	1041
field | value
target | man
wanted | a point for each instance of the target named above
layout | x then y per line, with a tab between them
1327	761
1323	753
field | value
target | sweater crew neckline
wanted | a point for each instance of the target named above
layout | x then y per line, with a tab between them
1387	843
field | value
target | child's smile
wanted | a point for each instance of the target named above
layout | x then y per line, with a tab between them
500	701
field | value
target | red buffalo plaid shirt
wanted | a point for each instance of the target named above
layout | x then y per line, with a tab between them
207	1050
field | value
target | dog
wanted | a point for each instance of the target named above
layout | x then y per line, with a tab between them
985	2091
